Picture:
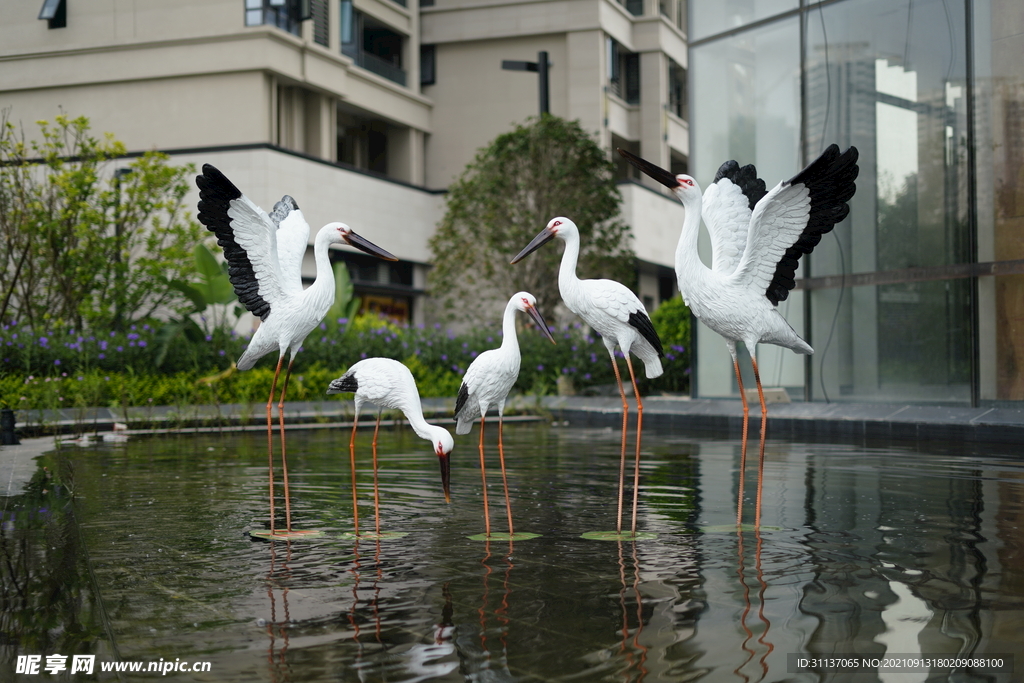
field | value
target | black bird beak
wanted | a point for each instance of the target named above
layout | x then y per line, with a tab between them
446	471
540	240
658	173
363	244
539	319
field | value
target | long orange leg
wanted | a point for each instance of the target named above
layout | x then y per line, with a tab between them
483	476
270	439
376	491
352	459
743	442
504	479
639	429
622	457
284	456
760	452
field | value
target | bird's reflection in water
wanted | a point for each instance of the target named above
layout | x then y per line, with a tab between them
484	650
277	581
631	650
357	576
761	640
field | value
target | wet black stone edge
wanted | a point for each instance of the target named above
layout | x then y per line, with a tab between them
867	424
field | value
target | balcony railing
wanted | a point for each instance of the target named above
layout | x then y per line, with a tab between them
377	65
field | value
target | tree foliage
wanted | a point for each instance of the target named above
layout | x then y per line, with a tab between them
82	245
548	167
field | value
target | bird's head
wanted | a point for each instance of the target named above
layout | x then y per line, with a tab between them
527	303
682	185
339	233
443	445
560	227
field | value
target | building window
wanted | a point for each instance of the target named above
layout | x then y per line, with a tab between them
371	44
682	20
362	142
55	12
677	90
634	7
286	15
623	72
428	64
321	24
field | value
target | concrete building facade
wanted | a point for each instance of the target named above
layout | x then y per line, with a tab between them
363	110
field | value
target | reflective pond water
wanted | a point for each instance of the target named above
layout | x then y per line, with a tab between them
867	551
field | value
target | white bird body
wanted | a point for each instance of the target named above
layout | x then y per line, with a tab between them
607	306
486	384
386	383
488	380
492	374
297	312
264	254
612	310
757	239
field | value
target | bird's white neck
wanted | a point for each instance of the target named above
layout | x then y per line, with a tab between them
423	429
510	340
567	280
688	263
323	286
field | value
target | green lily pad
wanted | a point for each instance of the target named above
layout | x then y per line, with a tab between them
373	535
293	535
730	528
618	536
517	536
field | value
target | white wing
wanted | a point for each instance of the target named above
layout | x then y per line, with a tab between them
292	240
248	237
727	207
255	234
777	223
790	220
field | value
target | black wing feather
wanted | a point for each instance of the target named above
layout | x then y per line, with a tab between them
830	179
216	193
344	384
643	325
460	400
746	179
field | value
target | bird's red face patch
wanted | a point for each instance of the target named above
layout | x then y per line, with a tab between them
686	181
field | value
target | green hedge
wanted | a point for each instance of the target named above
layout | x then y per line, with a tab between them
64	368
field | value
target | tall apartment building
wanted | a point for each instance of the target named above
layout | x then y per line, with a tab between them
363	110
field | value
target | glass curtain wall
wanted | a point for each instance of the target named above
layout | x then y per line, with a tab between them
746	106
998	32
918	296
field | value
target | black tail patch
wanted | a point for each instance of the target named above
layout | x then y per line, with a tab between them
830	180
216	193
643	325
460	401
344	384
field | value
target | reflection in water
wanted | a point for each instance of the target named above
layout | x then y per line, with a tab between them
761	640
633	653
850	538
277	580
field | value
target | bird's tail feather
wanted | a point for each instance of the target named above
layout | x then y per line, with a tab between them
652	367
